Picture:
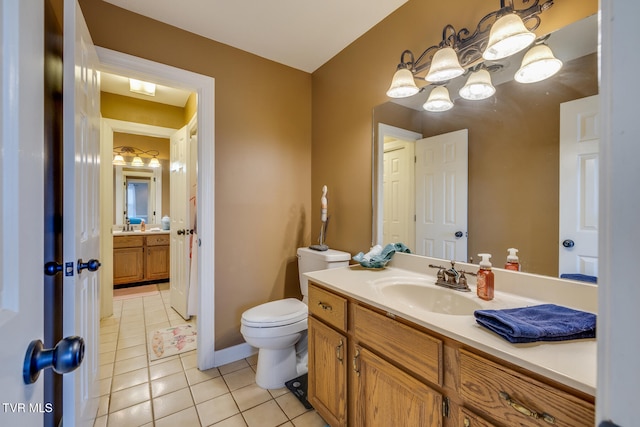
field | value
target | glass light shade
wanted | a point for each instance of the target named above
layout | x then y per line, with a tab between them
137	161
444	66
154	163
478	86
118	160
538	64
438	100
508	36
402	84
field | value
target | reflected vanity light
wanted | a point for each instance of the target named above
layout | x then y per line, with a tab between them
118	160
438	100
538	64
478	86
138	154
154	163
137	161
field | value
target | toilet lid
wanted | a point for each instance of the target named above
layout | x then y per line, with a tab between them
275	313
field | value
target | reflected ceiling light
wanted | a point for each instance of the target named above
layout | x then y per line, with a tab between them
137	154
137	161
143	88
154	163
438	100
402	84
478	86
508	36
444	66
538	64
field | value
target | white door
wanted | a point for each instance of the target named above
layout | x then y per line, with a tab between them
21	204
398	181
81	225
579	148
179	192
441	196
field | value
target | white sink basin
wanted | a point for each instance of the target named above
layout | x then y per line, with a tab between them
420	294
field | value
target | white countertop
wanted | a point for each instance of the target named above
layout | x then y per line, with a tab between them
139	233
572	363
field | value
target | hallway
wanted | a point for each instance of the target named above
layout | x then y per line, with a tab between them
172	391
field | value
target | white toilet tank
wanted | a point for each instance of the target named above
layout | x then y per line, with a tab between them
311	260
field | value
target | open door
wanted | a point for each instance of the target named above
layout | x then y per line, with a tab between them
81	225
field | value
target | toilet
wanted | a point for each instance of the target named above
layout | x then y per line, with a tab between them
278	329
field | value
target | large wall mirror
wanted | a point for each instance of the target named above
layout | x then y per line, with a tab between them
513	154
138	194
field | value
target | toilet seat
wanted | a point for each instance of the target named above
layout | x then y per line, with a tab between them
275	314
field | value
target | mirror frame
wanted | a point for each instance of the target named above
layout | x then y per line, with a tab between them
155	190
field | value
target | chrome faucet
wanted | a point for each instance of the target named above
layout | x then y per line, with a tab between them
451	278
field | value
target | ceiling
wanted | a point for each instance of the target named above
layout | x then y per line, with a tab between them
303	34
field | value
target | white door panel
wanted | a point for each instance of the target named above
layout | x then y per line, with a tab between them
441	195
21	205
579	156
81	222
398	182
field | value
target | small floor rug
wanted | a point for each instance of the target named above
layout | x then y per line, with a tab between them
298	386
135	292
170	341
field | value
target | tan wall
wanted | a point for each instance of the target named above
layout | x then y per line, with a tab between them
140	111
262	155
347	88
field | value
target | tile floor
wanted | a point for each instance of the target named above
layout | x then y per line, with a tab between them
172	391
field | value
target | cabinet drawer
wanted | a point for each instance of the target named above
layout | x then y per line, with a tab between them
329	307
516	399
159	240
127	241
469	419
414	350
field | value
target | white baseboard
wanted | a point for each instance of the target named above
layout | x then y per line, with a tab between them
233	354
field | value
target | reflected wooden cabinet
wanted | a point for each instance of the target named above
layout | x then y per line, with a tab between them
140	259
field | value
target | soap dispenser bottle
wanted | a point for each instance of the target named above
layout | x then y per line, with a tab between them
513	263
485	278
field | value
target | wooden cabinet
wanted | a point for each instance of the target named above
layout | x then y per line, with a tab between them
140	258
368	368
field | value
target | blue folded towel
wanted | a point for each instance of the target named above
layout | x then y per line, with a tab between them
546	322
580	277
379	261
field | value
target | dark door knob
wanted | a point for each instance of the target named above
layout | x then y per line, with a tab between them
91	265
181	232
568	243
52	268
458	234
65	357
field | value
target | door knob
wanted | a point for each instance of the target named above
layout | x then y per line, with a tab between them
91	265
568	243
181	232
458	234
65	357
52	268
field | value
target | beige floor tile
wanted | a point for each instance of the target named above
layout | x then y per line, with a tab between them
110	337
108	321
130	379
131	341
104	386
239	379
234	366
168	384
172	403
155	326
268	414
106	357
101	421
165	368
250	396
128	319
309	419
217	409
132	416
129	397
131	352
276	392
185	418
129	365
235	421
195	375
291	406
209	389
132	331
105	371
252	360
108	347
109	329
189	360
103	406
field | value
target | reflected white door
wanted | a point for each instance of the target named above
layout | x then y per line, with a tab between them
180	223
21	204
579	154
441	196
81	222
398	182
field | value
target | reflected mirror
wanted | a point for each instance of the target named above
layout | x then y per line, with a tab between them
514	166
138	194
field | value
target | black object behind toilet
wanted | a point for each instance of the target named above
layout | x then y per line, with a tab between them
298	386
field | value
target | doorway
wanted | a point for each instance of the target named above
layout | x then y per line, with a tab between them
123	64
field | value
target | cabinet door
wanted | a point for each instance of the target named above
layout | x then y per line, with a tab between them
128	265
157	263
328	373
386	396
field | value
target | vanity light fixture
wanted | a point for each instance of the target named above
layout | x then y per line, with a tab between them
498	34
154	163
118	160
438	100
478	86
137	154
538	64
137	161
143	88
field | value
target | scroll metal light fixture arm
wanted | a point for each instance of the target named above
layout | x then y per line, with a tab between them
469	47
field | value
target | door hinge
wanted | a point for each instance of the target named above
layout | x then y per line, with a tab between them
445	407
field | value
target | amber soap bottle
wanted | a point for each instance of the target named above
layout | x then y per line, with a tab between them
485	278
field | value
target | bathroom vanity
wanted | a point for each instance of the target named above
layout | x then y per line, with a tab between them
378	359
140	257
